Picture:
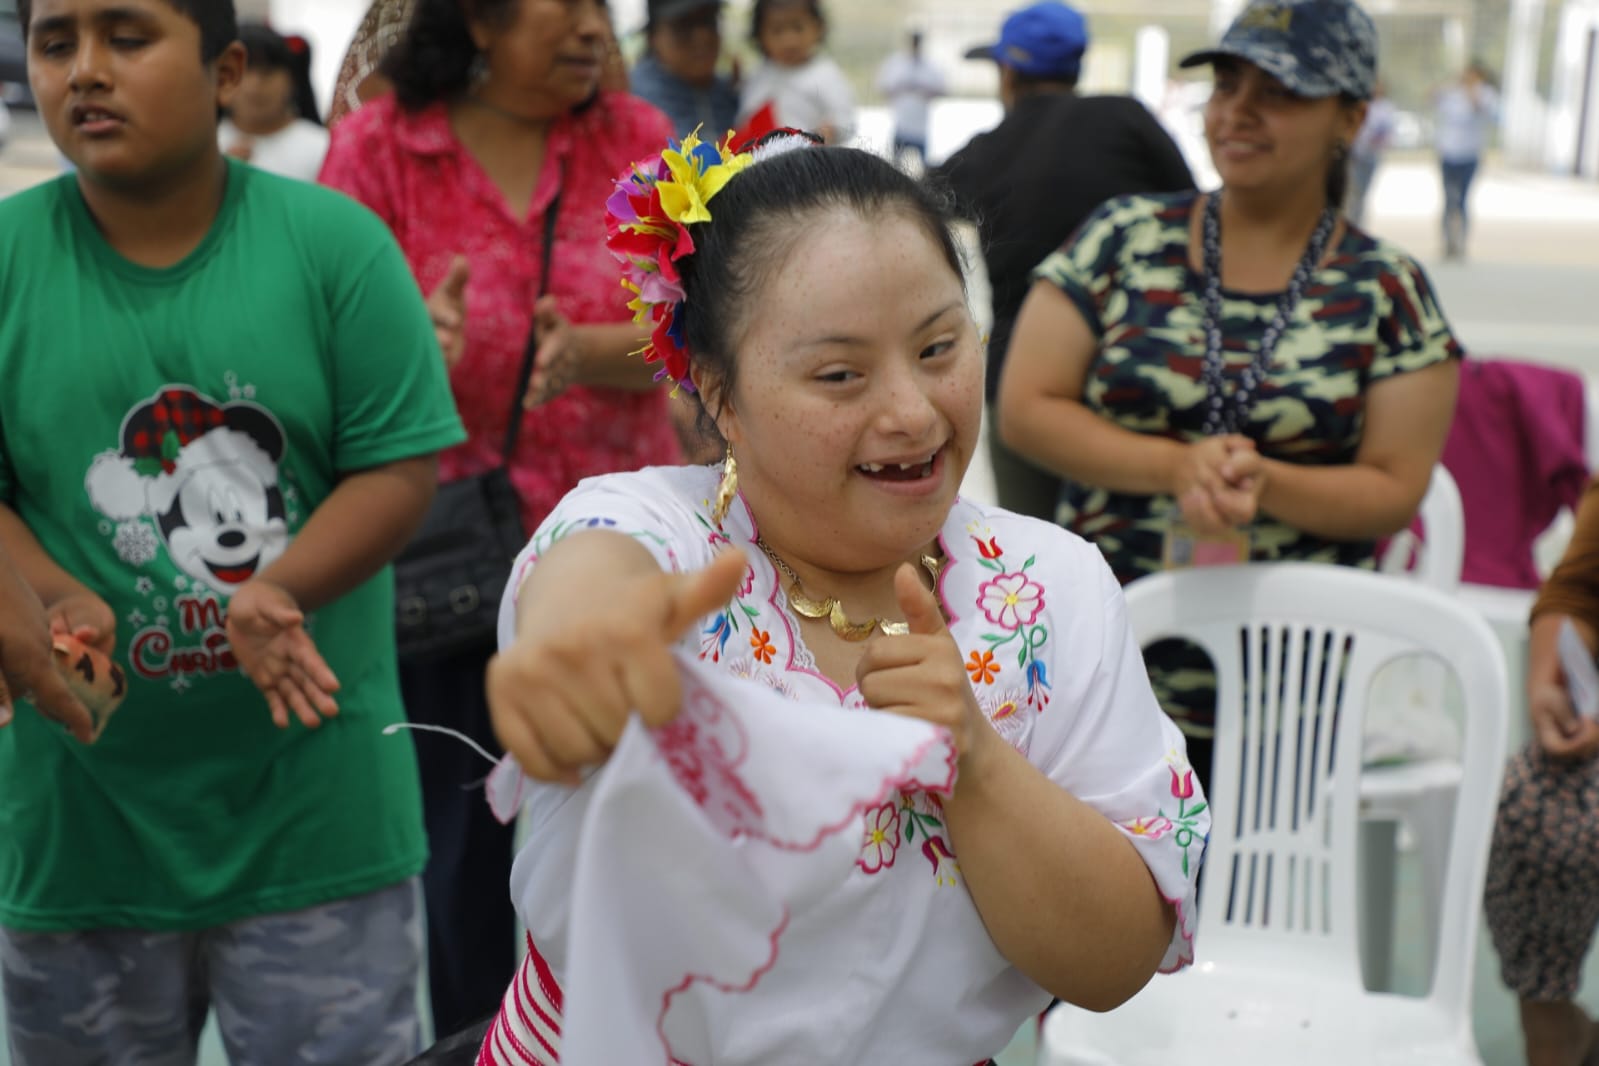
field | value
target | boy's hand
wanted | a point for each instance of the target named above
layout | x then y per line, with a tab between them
27	668
921	674
561	698
447	309
267	632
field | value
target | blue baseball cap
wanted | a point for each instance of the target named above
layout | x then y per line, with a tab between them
1044	40
1316	48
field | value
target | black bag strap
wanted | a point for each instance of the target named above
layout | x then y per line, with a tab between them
524	376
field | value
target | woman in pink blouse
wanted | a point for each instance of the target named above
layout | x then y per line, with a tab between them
497	118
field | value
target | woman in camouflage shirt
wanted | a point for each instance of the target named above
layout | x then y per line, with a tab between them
1332	370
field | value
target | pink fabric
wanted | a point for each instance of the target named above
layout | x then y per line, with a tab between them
1516	449
412	171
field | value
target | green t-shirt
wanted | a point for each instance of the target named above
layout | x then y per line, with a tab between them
164	433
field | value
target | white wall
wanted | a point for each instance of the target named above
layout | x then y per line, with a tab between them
1578	22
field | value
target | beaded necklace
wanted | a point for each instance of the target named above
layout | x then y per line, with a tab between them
1228	411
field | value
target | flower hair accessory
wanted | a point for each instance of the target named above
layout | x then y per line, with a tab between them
647	229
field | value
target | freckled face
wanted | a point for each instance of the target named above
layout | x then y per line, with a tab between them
859	393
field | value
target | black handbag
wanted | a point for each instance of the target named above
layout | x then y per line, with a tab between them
449	579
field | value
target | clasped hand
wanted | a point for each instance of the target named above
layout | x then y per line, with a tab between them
1218	482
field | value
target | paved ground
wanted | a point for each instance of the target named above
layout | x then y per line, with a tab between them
1530	290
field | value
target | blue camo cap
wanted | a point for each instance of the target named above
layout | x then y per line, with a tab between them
1316	48
1044	40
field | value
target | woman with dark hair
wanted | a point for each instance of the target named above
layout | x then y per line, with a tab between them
1052	848
272	122
497	132
1239	374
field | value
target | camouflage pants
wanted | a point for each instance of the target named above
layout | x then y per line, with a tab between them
334	985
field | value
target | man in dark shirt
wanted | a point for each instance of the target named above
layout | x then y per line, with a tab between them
1031	181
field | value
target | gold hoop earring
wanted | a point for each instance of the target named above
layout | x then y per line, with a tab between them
728	489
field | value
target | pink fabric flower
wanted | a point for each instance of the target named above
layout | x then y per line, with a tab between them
882	838
1011	600
945	871
1152	827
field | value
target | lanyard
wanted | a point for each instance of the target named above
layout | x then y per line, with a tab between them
1227	412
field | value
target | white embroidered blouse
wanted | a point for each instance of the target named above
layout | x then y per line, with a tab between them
898	966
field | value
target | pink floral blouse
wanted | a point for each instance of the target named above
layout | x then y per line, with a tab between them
412	171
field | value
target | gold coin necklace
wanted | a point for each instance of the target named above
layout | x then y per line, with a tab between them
808	607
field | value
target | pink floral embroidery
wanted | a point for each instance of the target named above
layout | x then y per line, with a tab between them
882	839
1011	600
945	870
704	747
1185	821
1150	827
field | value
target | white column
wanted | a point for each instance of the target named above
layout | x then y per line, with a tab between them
1222	13
1523	121
1151	66
329	25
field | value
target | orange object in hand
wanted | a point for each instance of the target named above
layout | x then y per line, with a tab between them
91	675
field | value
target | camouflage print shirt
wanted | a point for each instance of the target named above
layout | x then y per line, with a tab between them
1369	313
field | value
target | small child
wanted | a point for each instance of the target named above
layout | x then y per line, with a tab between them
221	403
272	122
805	88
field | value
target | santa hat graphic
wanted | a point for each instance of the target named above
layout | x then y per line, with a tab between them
171	436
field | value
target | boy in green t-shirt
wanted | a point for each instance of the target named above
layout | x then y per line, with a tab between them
220	404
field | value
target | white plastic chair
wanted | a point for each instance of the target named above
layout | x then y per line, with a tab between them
1278	975
1440	553
1419	793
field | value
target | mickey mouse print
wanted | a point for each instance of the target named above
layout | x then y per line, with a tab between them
199	480
206	475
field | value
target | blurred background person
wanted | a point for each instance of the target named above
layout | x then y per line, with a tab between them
1542	897
273	122
1365	154
910	83
806	89
678	70
496	123
1239	375
1465	116
1029	183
